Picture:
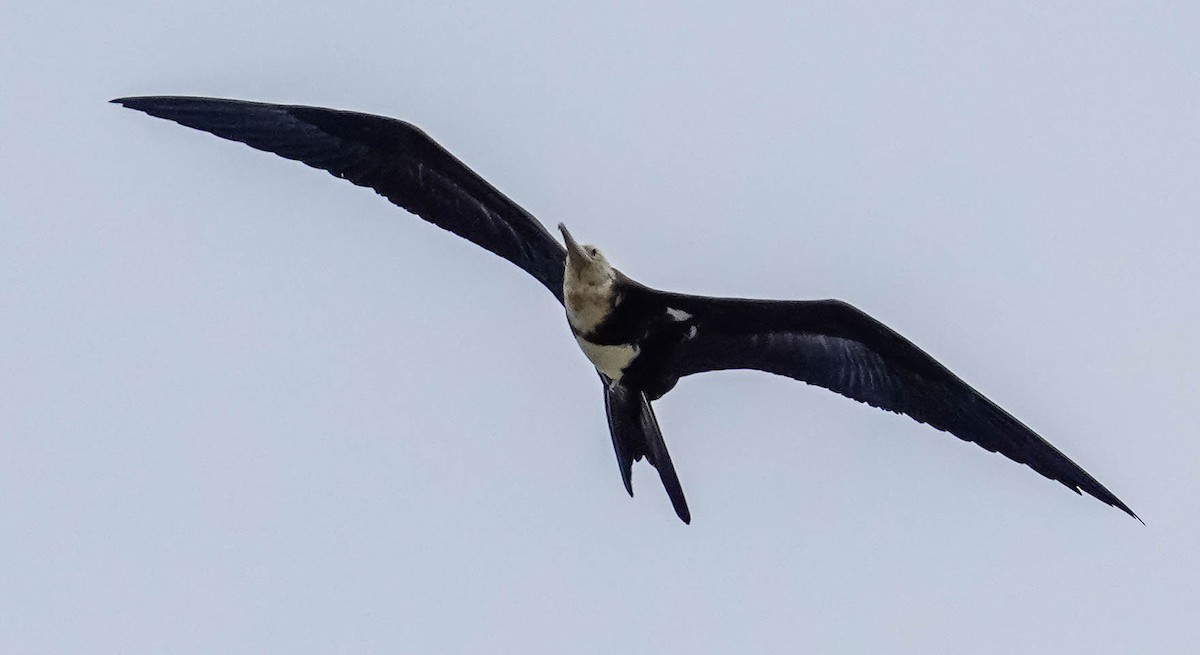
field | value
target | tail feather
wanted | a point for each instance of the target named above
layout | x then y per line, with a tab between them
635	434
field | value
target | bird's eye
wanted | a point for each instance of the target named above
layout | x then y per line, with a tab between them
592	252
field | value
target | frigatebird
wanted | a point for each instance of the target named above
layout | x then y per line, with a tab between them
640	340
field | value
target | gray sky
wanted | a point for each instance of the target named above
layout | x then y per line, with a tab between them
249	408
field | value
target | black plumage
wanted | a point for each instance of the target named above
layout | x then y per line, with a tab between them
826	343
396	159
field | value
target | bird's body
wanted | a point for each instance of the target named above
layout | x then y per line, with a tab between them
640	340
609	359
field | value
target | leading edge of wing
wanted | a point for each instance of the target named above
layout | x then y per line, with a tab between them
392	157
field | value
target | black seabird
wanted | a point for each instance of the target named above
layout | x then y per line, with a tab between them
640	340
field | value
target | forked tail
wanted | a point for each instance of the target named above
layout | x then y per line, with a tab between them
635	434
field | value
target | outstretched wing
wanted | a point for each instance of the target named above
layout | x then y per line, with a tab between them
397	160
831	344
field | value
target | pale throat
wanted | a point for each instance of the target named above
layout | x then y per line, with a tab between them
589	293
588	296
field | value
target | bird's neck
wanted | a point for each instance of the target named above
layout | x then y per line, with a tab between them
590	295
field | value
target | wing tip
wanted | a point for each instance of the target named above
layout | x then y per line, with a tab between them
1102	494
138	102
162	105
1125	508
158	106
124	102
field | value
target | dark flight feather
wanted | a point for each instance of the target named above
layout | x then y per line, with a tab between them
397	160
831	344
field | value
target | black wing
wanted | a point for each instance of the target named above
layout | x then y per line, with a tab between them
831	344
397	160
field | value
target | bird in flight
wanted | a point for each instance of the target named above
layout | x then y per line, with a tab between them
641	340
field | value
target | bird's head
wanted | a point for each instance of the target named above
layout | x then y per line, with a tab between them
589	285
586	265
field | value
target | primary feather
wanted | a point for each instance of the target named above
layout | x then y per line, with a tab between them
397	160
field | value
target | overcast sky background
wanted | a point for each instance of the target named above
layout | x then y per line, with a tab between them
249	408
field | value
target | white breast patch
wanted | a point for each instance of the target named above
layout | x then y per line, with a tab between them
609	360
